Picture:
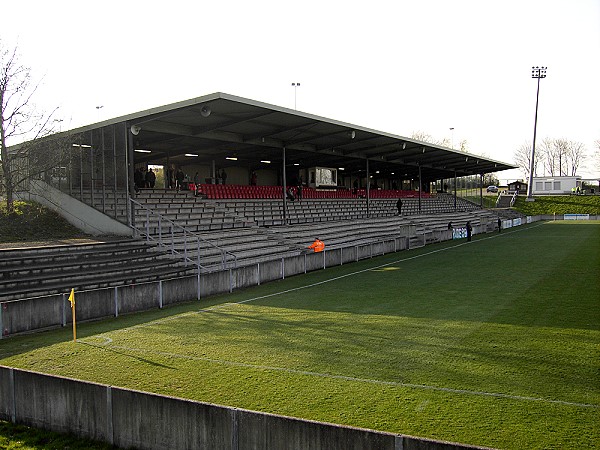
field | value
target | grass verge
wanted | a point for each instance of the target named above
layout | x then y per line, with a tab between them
32	222
19	437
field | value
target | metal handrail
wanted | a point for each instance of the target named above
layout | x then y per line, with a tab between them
514	198
226	256
498	198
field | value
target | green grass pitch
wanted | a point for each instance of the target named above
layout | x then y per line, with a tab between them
494	342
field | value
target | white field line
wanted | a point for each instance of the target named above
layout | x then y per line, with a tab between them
108	341
329	280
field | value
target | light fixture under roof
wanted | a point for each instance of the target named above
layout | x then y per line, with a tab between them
231	158
296	164
139	150
191	154
340	168
82	145
266	162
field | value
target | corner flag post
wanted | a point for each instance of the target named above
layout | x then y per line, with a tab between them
72	300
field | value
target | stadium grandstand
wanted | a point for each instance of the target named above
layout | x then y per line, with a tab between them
242	182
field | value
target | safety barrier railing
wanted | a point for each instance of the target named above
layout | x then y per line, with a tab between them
191	241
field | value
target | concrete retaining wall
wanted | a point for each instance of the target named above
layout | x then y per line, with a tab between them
128	418
76	212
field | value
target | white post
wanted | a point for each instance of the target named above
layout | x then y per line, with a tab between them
116	298
160	294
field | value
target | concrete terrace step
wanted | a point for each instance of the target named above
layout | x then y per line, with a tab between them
61	282
263	245
29	271
250	257
24	278
105	262
54	255
58	286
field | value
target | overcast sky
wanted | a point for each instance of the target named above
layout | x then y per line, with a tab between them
394	65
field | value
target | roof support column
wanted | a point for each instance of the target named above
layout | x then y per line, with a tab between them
368	188
92	168
455	189
420	187
284	178
129	161
115	165
481	190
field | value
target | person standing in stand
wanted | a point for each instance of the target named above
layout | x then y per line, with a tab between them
150	178
469	231
299	188
399	206
179	177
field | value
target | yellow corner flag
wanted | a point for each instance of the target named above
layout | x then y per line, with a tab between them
72	300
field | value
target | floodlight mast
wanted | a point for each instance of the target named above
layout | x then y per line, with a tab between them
295	85
539	73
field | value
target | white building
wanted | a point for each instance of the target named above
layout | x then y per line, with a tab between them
555	185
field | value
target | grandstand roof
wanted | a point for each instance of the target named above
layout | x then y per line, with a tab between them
220	125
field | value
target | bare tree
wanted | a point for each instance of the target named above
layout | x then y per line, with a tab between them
574	156
522	158
426	137
547	154
491	179
561	157
423	137
20	121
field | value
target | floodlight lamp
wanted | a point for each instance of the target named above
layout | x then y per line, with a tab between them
191	154
205	111
538	72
